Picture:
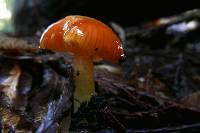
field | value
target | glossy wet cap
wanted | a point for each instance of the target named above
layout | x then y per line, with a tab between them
83	35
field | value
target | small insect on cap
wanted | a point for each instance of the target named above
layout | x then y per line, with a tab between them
83	35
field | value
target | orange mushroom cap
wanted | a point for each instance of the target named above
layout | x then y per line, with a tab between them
81	34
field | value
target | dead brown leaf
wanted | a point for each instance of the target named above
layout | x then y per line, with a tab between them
9	85
192	100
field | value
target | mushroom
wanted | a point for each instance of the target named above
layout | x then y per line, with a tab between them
87	39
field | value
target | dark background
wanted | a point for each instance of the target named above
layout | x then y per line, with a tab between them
35	14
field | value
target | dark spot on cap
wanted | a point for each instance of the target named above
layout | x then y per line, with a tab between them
122	59
77	73
96	49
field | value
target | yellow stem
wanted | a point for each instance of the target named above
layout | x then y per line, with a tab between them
84	79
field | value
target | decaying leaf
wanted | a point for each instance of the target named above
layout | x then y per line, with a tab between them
192	100
30	81
9	85
8	118
13	45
